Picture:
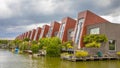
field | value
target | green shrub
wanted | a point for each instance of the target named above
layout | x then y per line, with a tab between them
53	51
94	40
118	53
93	44
44	42
34	48
81	53
54	48
24	45
26	39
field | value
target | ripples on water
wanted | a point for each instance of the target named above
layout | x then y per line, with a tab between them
11	60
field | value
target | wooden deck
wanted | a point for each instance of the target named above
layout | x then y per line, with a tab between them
74	59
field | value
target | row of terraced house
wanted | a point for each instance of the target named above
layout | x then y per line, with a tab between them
69	29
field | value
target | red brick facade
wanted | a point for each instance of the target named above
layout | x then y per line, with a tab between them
69	24
89	19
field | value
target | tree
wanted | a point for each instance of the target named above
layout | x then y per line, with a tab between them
26	39
34	48
54	48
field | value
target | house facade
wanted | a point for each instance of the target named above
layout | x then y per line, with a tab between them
37	33
87	23
44	31
84	19
111	31
32	34
66	28
54	29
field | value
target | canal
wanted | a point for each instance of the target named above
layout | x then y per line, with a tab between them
11	60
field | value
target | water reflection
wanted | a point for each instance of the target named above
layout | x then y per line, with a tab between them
11	60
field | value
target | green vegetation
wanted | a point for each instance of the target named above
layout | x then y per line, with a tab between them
24	45
81	53
94	40
4	41
34	48
118	53
67	45
52	46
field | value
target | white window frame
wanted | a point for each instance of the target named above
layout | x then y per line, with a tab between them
78	31
115	45
62	28
92	30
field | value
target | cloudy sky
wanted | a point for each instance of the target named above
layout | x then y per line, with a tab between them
18	16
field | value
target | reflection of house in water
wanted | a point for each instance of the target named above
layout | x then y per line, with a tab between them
53	30
66	28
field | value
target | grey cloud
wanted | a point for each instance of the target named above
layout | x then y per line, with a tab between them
27	12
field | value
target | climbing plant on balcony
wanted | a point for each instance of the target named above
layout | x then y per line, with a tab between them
94	40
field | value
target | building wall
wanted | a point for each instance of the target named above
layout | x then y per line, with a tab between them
29	34
111	31
45	31
56	27
70	24
32	34
89	19
38	31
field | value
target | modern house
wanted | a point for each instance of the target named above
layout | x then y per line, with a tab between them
85	19
66	29
29	34
26	34
111	31
54	29
44	31
37	34
87	23
32	34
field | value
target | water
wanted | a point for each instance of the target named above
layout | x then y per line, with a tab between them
11	60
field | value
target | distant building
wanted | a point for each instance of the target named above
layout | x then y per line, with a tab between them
32	34
54	29
66	29
44	31
37	34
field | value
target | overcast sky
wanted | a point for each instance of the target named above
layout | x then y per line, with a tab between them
18	16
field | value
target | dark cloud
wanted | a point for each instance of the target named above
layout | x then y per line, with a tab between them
17	13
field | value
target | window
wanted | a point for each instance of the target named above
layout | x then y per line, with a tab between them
78	31
70	34
50	31
112	44
36	34
42	32
95	31
61	30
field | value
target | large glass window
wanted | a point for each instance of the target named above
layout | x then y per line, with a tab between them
36	34
31	34
95	31
78	30
61	30
112	44
42	32
50	31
